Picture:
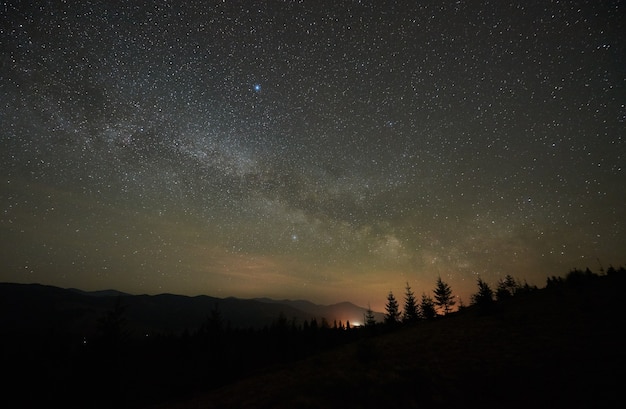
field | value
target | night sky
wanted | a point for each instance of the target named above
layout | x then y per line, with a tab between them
326	150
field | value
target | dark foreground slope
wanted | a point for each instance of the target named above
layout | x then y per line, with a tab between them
73	349
553	348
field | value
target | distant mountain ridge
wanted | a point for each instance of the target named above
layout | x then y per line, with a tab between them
349	311
33	308
100	293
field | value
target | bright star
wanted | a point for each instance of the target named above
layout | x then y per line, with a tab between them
257	87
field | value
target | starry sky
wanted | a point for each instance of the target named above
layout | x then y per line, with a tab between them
326	150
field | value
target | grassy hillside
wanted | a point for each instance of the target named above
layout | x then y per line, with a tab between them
552	348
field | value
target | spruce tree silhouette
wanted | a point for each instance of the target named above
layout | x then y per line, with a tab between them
427	307
443	296
112	329
369	319
392	314
411	312
214	326
507	288
110	347
484	297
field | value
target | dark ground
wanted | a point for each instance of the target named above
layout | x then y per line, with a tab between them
553	348
557	347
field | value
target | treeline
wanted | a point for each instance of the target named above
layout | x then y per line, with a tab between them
486	298
577	277
116	368
442	301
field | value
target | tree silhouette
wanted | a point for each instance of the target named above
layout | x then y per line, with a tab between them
113	327
370	320
427	307
525	288
484	296
619	273
111	348
392	314
411	312
443	296
462	305
554	282
578	277
214	323
506	288
281	325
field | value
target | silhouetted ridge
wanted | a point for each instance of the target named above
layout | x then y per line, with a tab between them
559	346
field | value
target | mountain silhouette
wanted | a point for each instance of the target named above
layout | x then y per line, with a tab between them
36	308
343	311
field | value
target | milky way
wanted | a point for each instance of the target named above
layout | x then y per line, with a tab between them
308	149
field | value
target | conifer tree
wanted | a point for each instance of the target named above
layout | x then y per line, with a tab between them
443	296
113	328
462	305
370	320
392	314
427	307
484	296
411	313
506	288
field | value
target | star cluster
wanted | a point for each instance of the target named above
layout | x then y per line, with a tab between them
329	150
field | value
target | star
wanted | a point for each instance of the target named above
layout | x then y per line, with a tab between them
152	156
